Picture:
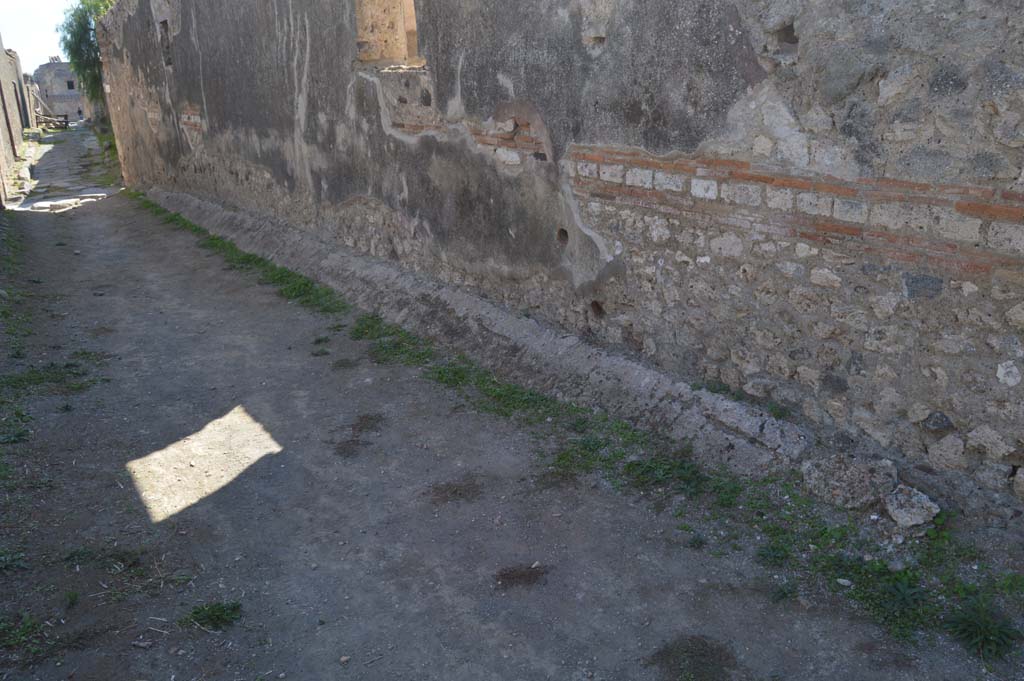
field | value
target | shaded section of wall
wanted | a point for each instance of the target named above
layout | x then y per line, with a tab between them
14	116
700	185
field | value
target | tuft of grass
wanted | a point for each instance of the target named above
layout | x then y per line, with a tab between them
675	471
697	542
23	633
12	560
775	553
983	630
391	343
70	599
216	616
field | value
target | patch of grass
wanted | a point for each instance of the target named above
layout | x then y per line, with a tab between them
785	591
697	542
290	285
320	352
585	455
90	356
70	599
983	630
51	374
216	616
672	471
775	553
12	560
321	340
23	633
391	343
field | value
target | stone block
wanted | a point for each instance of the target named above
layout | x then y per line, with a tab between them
949	224
586	169
742	194
640	177
814	204
780	199
987	441
704	189
1006	236
850	211
849	482
613	173
994	476
824	277
948	453
669	181
1015	316
910	507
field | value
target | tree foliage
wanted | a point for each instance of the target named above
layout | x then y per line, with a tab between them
78	40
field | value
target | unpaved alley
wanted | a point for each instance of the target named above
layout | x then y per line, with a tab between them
187	436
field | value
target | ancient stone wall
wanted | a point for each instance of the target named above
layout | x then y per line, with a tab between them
14	116
817	206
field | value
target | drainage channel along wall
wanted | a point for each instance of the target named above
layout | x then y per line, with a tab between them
818	206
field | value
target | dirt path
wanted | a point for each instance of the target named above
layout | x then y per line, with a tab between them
202	447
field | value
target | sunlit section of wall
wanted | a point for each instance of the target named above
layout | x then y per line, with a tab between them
174	478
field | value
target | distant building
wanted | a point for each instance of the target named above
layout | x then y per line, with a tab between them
60	92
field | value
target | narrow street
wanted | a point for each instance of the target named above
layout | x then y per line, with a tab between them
197	438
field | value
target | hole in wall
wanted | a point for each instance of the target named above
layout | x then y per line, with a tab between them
594	40
787	42
387	32
563	236
597	309
165	42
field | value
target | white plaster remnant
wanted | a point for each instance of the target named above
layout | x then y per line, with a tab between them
1009	374
508	156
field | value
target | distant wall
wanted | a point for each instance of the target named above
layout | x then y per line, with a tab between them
14	116
819	204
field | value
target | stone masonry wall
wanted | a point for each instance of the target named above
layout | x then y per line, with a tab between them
818	207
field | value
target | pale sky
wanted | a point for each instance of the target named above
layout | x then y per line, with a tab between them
29	27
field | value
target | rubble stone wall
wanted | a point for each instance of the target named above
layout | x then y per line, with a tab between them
816	206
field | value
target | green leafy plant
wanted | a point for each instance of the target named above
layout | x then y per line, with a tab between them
216	616
983	630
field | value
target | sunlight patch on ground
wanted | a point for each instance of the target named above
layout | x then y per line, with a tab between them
176	477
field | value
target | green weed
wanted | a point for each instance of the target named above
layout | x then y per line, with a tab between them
216	616
983	630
